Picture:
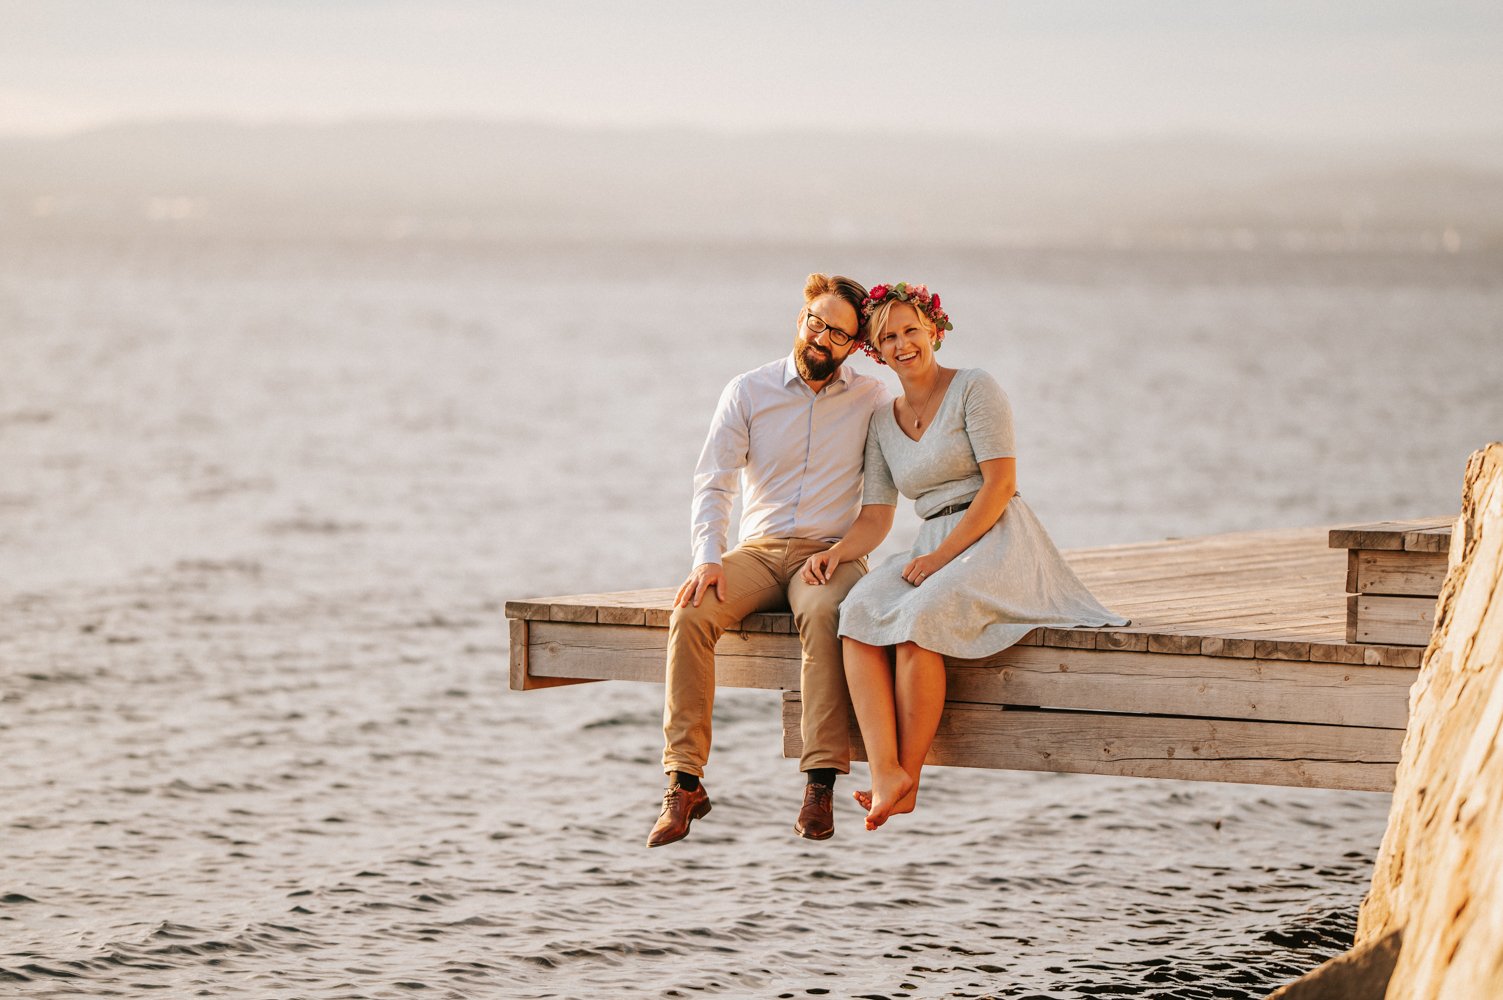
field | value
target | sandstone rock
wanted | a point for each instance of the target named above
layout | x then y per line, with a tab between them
1438	882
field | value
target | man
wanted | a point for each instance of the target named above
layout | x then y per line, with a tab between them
791	435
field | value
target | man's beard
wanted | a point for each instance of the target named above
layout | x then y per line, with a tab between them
814	364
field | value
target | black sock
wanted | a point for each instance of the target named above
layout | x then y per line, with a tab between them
688	782
822	776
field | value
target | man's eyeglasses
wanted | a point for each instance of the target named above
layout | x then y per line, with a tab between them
838	337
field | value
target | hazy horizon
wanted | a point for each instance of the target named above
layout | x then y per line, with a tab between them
474	179
1090	69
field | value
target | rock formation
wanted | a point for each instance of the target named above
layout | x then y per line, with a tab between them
1432	924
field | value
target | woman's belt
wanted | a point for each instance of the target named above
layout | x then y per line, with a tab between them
954	508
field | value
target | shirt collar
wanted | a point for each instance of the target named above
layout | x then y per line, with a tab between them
791	375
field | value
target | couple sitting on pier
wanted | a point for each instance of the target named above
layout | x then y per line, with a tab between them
819	453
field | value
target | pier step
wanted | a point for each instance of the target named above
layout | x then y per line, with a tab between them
1394	572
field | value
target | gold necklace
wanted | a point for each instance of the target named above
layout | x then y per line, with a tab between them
918	415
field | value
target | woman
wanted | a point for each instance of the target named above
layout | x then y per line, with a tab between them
982	573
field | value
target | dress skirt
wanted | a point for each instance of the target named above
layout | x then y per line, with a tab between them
1010	581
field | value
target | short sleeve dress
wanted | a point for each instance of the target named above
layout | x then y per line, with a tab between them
1010	581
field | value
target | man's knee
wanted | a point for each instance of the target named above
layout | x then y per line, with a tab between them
691	623
817	608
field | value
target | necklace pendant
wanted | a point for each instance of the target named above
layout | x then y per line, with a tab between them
917	423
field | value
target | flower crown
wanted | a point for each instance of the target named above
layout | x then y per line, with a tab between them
918	296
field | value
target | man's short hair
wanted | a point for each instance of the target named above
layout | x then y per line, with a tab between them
836	284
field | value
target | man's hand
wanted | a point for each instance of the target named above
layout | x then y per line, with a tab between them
705	576
819	567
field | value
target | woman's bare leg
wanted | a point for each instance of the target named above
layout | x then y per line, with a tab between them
869	675
920	699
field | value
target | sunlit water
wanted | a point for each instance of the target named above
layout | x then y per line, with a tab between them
261	506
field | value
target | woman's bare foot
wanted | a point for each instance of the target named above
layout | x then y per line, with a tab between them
889	789
905	805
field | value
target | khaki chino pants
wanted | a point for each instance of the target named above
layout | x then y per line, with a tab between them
762	575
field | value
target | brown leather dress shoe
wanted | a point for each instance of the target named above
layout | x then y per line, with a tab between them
816	820
680	808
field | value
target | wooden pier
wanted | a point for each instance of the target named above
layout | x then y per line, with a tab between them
1237	667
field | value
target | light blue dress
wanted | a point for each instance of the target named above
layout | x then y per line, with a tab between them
1010	581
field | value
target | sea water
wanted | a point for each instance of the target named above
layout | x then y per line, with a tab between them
261	504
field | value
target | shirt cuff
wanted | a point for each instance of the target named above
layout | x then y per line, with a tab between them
708	552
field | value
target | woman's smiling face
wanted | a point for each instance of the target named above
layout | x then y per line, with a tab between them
904	343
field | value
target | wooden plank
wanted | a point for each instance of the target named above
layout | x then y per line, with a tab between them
1280	649
1383	534
1436	539
631	653
1403	574
521	679
622	616
1183	645
1266	753
1095	680
573	613
527	610
1069	638
1170	684
1379	535
1394	621
1400	656
1122	640
1215	645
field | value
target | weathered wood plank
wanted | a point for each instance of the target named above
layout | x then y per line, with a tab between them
1032	676
631	653
1266	753
1171	684
1437	539
521	679
1215	645
1069	638
1122	640
527	610
1404	621
1383	534
622	616
1399	574
1183	645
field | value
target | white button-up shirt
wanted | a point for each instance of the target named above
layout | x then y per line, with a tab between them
796	456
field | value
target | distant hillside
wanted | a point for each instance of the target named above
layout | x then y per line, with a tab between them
470	179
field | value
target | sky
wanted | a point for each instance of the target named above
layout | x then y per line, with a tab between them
1270	68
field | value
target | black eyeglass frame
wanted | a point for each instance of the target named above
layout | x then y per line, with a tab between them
817	325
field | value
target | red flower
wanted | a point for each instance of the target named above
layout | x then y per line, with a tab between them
878	292
936	301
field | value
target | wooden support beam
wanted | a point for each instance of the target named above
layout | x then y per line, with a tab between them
992	736
522	679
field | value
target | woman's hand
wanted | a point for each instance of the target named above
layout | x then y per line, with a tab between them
925	566
819	567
